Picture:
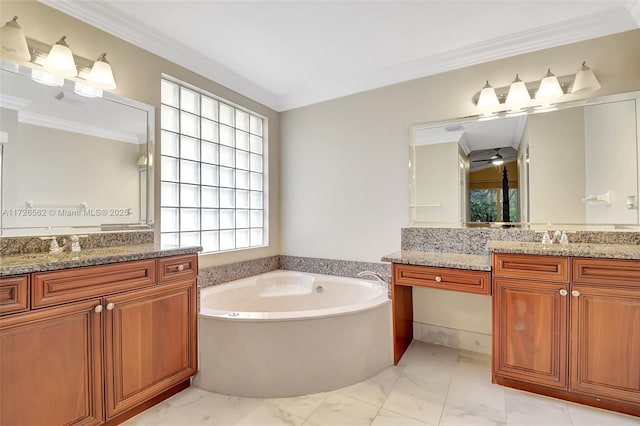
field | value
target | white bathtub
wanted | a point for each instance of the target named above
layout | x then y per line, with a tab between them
287	334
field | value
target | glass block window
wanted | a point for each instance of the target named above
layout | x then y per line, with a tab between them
212	173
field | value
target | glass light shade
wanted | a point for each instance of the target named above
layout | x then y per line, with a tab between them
518	93
585	80
101	74
46	78
497	162
87	91
60	60
549	87
14	43
488	97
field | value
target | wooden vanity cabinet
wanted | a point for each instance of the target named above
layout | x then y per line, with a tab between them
569	330
404	277
101	359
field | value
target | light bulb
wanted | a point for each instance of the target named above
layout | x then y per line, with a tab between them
60	60
14	43
101	74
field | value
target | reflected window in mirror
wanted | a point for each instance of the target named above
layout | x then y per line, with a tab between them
575	164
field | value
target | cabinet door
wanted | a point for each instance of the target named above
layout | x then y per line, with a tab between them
51	369
530	331
605	342
150	343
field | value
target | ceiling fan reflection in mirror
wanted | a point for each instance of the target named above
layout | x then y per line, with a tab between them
497	159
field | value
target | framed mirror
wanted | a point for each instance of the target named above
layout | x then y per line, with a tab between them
70	161
574	164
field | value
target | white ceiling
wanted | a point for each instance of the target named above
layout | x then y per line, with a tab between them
287	54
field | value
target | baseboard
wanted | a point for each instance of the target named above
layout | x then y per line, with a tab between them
452	338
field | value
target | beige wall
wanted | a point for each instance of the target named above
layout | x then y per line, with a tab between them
138	74
345	180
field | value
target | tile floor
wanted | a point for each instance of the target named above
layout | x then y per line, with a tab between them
432	385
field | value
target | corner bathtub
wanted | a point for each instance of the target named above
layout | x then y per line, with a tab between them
286	333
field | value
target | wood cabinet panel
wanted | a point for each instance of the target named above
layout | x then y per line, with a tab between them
177	267
150	343
605	342
50	288
468	281
51	369
530	331
14	294
546	268
618	272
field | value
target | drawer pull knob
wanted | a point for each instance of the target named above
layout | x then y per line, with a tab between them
575	293
438	279
180	267
98	309
110	306
563	292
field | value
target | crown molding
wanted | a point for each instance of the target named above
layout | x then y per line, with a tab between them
108	19
566	32
76	127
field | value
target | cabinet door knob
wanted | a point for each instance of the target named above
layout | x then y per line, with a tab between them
575	293
110	306
438	278
563	292
98	309
180	267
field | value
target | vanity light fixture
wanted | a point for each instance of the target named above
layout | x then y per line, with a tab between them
101	74
488	97
14	42
585	80
46	78
549	87
518	94
60	59
86	90
57	62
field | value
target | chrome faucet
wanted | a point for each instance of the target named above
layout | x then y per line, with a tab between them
375	275
73	244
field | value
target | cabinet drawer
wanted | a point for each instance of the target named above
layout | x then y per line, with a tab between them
177	267
50	288
14	294
546	268
443	278
607	271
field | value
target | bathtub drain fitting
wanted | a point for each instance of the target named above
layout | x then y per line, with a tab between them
319	289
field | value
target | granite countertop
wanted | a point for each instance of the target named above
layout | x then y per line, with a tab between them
606	251
475	262
37	262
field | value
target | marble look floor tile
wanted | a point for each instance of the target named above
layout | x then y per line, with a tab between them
417	398
270	415
471	382
527	409
375	390
465	413
389	418
197	407
300	406
583	415
340	410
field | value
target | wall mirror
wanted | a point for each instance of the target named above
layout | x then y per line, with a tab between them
574	164
69	161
